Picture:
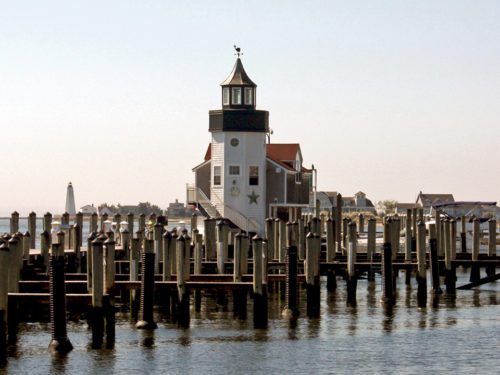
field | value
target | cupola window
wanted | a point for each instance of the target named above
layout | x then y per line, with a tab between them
248	95
236	95
225	96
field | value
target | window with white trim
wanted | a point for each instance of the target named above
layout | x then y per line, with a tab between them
217	175
253	175
236	95
225	96
234	170
248	95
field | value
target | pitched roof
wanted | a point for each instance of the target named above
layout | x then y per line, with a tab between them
428	199
405	205
281	153
238	76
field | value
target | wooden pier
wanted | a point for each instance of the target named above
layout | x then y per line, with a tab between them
173	270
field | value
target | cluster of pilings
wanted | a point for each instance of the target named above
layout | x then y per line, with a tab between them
151	266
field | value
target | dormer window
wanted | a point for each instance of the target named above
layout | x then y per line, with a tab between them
249	96
225	96
236	95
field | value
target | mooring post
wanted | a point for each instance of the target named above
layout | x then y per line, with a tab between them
93	223
387	277
282	242
97	292
210	248
26	246
220	248
331	254
439	239
44	248
167	256
147	287
135	254
436	289
311	268
276	239
450	278
338	221
474	269
301	242
421	262
109	288
91	237
291	307
77	240
259	292
125	242
239	296
408	235
182	308
395	237
345	223
14	222
59	342
463	237
4	298
32	229
492	237
361	223
142	222
14	245
198	254
371	246
351	278
130	221
270	237
158	232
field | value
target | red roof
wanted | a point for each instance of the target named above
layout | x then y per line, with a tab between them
281	153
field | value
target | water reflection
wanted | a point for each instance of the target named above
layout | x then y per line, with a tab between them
59	362
353	319
148	340
388	321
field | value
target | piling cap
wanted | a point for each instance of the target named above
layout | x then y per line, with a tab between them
76	226
110	233
186	236
27	234
239	235
420	222
15	213
19	234
6	236
102	237
269	220
98	241
32	213
158	225
13	240
65	214
47	214
310	235
167	235
61	233
277	219
124	231
256	238
181	238
4	247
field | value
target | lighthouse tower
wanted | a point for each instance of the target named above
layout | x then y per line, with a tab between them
70	200
238	153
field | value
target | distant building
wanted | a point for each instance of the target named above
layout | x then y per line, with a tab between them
328	200
425	201
88	210
401	208
178	209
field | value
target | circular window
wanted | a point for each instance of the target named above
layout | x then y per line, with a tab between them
235	142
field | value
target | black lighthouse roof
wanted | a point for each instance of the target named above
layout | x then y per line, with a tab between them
238	76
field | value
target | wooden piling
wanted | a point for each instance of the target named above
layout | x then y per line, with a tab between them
474	269
59	342
77	240
158	244
291	309
210	245
97	292
270	237
463	237
492	237
182	311
301	242
387	274
4	298
338	221
450	277
439	238
408	235
147	288
32	229
421	262
436	289
276	232
14	246
237	258
351	278
345	223
198	254
93	223
14	222
259	292
282	241
311	270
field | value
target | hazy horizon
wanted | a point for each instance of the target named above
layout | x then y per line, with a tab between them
387	97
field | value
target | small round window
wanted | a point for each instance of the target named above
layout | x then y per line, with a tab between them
235	142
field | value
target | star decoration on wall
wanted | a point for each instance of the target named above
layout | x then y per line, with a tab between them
253	197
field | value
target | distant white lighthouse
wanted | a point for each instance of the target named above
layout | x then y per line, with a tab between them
70	201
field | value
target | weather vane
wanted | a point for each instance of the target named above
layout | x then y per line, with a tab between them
238	51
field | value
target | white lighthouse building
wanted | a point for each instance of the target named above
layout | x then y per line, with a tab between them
243	179
70	200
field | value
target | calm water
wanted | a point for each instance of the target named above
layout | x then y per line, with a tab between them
457	334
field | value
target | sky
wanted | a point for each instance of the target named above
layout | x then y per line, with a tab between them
387	97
